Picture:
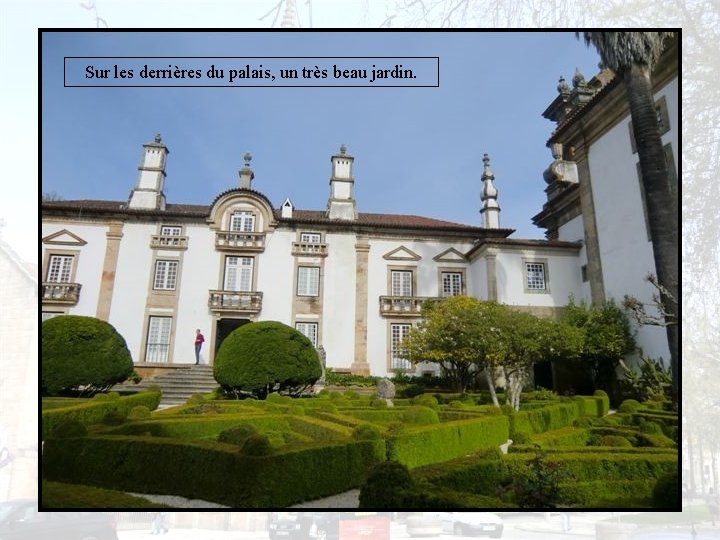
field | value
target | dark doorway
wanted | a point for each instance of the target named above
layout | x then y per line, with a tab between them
543	375
224	327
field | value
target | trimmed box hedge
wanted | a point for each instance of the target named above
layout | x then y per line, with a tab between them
319	430
93	411
539	420
567	436
484	476
608	494
202	426
441	442
209	470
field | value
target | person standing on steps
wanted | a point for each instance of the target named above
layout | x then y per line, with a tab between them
199	339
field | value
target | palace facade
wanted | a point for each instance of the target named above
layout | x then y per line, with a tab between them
354	282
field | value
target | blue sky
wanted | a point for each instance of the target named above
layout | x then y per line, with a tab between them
417	150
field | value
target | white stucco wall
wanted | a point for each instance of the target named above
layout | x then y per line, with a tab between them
132	282
562	277
89	262
275	277
200	273
574	231
338	317
625	251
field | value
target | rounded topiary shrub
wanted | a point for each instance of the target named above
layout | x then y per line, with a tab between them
351	394
82	353
139	412
113	418
614	440
379	403
257	445
385	486
521	438
265	357
651	427
237	435
629	406
69	428
426	401
418	414
366	432
666	493
600	393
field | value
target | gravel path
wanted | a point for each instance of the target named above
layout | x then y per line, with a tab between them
349	499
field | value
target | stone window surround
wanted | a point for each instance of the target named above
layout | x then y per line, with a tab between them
402	268
149	314
546	270
390	325
297	281
452	270
49	252
151	282
168	265
315	323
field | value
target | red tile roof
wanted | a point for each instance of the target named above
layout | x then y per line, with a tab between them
399	221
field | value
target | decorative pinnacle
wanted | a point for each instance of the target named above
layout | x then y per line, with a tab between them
578	79
247	157
487	173
562	86
158	139
343	149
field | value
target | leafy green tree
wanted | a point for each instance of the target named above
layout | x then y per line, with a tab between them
82	354
527	341
461	335
263	357
632	55
607	338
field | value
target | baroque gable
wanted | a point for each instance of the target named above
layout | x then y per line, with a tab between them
401	254
64	238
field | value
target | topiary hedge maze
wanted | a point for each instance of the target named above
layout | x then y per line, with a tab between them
281	451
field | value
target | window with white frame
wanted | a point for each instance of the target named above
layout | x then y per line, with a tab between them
310	238
165	275
401	283
309	330
60	268
157	348
452	283
242	221
238	274
308	281
535	276
170	230
398	332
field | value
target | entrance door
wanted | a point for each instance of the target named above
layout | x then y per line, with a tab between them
223	329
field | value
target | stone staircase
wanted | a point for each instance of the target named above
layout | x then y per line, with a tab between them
177	385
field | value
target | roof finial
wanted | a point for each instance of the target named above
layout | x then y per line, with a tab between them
343	149
490	208
578	79
562	86
158	139
246	173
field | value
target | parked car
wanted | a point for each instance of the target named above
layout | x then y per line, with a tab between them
326	525
423	524
471	523
20	520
